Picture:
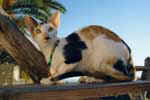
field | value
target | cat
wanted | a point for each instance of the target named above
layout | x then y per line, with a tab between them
92	51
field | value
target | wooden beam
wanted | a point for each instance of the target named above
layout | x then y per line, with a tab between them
142	68
26	55
71	92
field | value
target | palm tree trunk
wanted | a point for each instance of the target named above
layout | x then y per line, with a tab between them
25	54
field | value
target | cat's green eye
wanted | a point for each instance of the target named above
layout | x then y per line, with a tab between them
50	29
38	31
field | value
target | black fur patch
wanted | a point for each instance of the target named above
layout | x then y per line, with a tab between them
120	66
108	78
73	50
126	46
129	49
73	37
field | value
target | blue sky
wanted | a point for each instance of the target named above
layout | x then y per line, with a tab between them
130	19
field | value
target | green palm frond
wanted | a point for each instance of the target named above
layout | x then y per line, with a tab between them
40	9
32	10
37	13
55	5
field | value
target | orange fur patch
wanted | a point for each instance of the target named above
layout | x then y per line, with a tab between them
34	33
91	32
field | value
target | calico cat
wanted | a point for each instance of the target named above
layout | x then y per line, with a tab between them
92	51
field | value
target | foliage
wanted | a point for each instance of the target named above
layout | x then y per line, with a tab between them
40	9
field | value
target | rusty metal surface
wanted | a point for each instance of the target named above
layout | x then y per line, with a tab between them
37	92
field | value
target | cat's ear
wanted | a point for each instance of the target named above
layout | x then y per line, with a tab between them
30	23
55	19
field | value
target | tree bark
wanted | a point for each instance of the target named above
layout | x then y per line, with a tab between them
25	54
1	48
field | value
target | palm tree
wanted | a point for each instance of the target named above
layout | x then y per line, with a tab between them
40	9
7	3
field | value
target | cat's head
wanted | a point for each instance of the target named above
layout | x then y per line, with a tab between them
42	32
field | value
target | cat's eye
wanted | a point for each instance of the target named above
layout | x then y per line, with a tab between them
50	29
38	31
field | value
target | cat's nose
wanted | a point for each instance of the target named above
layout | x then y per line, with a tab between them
47	38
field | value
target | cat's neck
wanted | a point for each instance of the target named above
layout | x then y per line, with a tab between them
47	47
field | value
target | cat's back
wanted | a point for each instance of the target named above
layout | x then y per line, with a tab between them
104	44
93	31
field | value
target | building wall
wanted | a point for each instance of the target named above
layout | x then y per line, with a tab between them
6	73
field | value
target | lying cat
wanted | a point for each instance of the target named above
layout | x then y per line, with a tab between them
90	51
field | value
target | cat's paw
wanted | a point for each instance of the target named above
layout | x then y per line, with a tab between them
47	81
